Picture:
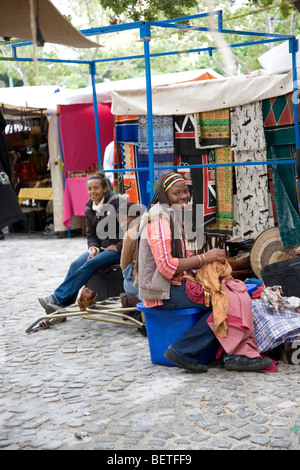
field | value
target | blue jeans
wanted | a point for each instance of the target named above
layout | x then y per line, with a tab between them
128	283
198	343
80	271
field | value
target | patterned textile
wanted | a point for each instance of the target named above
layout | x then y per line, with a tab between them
163	138
289	220
249	145
130	180
185	172
247	127
204	189
278	116
224	188
186	134
279	129
270	329
252	212
214	128
126	128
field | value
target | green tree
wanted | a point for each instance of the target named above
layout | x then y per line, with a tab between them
285	7
148	10
85	14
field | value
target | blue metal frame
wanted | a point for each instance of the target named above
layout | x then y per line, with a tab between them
145	35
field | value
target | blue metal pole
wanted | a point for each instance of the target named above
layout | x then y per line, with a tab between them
293	49
145	34
93	73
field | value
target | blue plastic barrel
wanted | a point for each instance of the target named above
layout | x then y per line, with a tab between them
166	326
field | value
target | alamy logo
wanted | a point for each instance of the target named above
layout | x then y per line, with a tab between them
295	357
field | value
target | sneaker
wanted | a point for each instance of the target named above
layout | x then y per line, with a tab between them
49	304
190	366
243	363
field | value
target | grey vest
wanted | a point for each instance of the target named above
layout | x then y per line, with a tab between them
151	283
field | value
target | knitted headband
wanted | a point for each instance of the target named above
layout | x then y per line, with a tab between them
171	179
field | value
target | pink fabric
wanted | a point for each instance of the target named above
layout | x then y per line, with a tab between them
194	292
78	134
240	329
75	198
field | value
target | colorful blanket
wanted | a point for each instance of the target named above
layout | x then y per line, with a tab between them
279	129
126	128
186	133
224	189
214	128
130	180
163	138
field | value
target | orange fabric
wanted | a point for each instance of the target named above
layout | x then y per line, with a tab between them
204	76
210	277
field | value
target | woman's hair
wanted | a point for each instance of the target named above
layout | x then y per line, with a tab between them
161	197
103	180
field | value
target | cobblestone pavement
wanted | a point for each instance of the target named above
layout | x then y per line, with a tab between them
86	384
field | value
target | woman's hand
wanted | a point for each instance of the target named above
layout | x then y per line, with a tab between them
215	254
93	253
112	248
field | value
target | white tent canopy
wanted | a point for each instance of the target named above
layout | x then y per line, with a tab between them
30	98
202	95
104	90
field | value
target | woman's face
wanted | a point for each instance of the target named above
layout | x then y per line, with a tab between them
95	190
178	194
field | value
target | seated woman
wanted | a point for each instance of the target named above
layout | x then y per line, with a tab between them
163	261
104	239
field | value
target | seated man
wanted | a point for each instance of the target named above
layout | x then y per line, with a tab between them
129	223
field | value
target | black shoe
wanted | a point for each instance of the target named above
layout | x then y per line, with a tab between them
243	363
190	366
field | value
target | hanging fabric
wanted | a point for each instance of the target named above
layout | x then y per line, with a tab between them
204	188
214	128
186	134
163	138
224	195
130	180
126	128
288	217
249	145
279	129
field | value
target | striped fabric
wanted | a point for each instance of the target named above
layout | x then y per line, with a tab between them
159	238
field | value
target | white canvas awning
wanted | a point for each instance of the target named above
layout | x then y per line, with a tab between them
203	95
15	22
278	59
104	90
29	96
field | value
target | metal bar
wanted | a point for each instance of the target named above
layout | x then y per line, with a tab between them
96	116
155	54
293	49
146	33
111	29
191	17
217	30
205	165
